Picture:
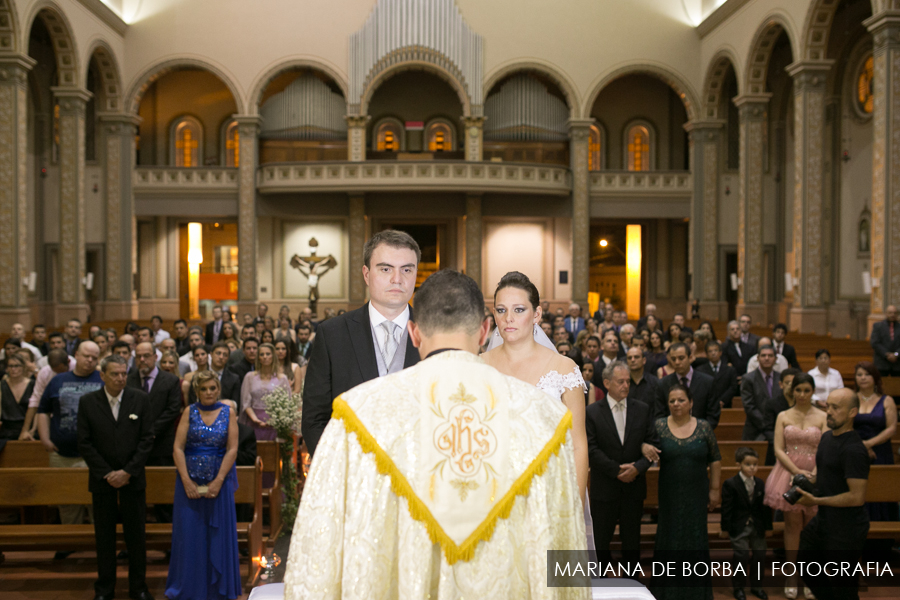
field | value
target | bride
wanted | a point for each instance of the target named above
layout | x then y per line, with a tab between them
517	312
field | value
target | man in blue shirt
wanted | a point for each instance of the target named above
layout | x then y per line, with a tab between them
58	417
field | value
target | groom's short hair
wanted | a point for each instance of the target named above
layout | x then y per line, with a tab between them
449	301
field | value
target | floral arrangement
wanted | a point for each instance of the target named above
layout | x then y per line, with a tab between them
285	412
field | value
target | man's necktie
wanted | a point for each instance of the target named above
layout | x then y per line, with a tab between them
684	382
715	369
146	385
769	384
892	331
619	417
390	343
114	406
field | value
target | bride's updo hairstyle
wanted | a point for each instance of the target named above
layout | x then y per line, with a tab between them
520	281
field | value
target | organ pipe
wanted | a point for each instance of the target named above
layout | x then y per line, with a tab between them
525	110
306	109
436	25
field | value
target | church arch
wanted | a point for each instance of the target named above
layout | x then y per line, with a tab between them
678	84
68	72
757	67
262	82
109	92
9	27
381	74
555	74
149	75
714	82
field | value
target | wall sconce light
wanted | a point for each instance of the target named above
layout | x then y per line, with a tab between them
845	156
727	190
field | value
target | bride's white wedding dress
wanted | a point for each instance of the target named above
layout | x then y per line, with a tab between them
555	384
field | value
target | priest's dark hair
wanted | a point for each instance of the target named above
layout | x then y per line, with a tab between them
449	301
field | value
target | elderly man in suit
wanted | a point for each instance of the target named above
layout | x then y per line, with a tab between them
368	342
574	323
725	386
164	390
115	437
758	387
706	405
617	428
737	352
747	336
214	327
885	340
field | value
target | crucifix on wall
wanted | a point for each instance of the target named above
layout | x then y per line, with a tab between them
313	267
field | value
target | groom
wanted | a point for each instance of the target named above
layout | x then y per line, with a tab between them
423	495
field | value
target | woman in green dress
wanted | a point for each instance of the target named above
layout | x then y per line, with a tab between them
686	493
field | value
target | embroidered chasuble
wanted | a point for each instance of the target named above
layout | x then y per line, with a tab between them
445	481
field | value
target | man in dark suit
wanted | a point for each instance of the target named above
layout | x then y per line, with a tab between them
72	336
786	350
643	384
747	336
725	386
616	429
229	380
757	389
745	518
609	346
706	405
247	363
164	390
180	335
304	331
574	323
885	340
115	437
736	352
214	328
368	342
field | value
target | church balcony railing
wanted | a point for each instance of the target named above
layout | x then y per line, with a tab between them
642	183
414	176
184	180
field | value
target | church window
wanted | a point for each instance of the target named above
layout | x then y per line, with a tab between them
439	136
594	149
865	100
638	145
232	145
187	138
388	135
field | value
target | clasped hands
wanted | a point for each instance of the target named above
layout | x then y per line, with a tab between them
192	492
118	478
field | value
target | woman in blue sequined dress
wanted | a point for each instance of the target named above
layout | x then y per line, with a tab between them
205	563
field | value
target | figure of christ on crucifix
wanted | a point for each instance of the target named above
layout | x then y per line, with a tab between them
313	267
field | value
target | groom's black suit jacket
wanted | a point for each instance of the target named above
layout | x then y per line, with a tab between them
342	357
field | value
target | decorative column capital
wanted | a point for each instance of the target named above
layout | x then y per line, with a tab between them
357	120
752	106
71	98
579	129
885	28
809	74
15	67
248	124
707	130
470	121
124	124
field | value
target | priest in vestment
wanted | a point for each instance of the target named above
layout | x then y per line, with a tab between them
447	480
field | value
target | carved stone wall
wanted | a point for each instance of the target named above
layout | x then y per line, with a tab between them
704	225
752	110
356	138
357	245
579	135
13	186
474	127
809	154
248	130
72	102
885	30
474	237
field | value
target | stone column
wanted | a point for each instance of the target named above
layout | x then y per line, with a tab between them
248	291
579	136
71	300
808	314
117	152
752	110
885	28
357	244
14	190
356	137
706	150
474	238
474	138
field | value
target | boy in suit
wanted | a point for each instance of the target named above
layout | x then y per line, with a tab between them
745	518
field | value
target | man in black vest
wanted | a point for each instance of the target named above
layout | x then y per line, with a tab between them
115	436
368	342
616	428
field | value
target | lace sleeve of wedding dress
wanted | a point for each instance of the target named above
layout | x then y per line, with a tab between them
556	384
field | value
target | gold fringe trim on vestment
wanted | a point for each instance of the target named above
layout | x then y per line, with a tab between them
419	511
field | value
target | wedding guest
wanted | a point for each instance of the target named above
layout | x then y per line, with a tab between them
876	423
826	378
797	434
745	518
256	386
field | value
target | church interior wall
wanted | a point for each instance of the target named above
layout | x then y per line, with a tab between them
415	96
94	205
523	245
642	97
303	205
192	92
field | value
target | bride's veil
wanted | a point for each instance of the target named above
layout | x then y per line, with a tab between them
539	336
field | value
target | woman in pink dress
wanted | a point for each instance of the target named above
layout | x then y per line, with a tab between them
797	434
257	385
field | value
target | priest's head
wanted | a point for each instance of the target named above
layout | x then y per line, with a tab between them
449	314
